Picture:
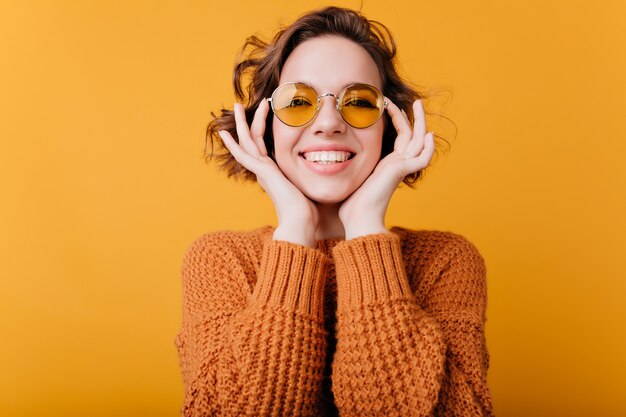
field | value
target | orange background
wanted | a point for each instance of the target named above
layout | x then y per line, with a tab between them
102	111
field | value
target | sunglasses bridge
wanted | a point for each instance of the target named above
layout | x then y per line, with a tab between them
319	98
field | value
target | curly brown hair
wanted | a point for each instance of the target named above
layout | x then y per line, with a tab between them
258	68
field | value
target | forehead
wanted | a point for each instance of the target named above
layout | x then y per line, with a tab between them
330	63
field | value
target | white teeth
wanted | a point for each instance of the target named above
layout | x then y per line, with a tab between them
330	156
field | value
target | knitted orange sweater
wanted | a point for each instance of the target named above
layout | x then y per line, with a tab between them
388	324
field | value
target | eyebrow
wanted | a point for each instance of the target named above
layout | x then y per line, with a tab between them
310	84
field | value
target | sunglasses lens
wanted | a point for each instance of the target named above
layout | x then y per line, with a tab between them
294	103
361	105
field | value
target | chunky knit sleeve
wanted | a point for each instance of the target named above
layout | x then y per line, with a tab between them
458	301
390	353
394	357
251	351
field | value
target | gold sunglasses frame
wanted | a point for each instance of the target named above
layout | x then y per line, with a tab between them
319	99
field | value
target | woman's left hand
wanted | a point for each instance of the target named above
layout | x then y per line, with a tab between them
364	211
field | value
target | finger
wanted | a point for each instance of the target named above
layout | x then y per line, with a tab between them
236	151
257	128
423	159
414	148
419	129
243	132
416	143
402	125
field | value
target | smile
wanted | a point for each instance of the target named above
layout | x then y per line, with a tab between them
327	162
327	157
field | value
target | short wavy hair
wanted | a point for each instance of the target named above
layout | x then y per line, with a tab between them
257	72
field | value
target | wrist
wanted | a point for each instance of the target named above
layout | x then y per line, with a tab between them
297	235
365	228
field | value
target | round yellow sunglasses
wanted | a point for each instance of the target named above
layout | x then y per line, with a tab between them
296	104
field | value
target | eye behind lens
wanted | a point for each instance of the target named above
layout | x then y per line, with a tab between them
361	105
299	102
294	103
359	102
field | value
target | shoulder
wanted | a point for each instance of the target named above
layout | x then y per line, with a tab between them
218	266
442	261
440	244
216	244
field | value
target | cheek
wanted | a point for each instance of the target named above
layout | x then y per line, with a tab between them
285	138
279	140
374	143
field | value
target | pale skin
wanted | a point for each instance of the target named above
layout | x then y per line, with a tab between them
303	220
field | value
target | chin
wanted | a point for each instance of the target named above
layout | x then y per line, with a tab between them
327	198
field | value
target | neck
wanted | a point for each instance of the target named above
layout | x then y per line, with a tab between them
329	225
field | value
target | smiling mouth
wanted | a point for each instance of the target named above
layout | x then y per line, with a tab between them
327	158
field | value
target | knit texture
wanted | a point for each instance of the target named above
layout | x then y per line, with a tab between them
388	324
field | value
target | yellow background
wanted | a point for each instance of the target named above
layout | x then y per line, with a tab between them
102	111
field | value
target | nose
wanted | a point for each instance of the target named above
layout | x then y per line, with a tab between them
328	120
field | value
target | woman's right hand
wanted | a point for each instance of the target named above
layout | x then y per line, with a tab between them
297	214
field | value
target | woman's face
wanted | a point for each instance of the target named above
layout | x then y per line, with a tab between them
328	64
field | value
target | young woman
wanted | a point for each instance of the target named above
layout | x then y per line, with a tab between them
330	313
